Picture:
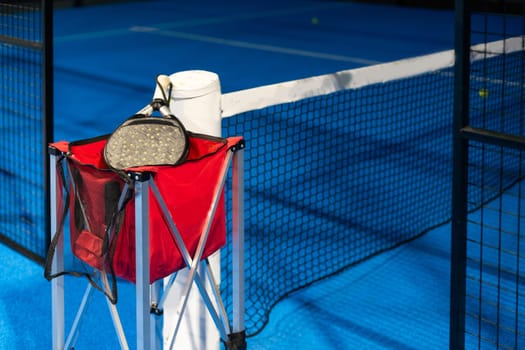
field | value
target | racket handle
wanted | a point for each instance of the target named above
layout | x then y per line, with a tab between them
162	89
161	97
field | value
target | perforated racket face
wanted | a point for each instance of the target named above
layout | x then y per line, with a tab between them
152	141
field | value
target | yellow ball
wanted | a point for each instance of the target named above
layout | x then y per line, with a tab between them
315	20
483	93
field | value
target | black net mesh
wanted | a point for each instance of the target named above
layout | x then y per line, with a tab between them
335	179
21	122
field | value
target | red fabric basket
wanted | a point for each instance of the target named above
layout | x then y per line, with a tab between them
188	190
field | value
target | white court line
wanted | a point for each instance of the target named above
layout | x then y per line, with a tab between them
248	45
91	35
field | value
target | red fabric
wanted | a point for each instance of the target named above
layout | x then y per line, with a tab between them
187	189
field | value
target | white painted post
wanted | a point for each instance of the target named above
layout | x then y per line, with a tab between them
195	100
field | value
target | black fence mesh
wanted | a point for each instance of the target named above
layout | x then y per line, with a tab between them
495	317
22	170
495	275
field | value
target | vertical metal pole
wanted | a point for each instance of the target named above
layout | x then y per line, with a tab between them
238	245
460	176
47	103
145	340
57	284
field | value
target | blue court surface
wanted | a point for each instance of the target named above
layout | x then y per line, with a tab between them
106	59
111	54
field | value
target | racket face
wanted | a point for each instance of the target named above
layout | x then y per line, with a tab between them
147	141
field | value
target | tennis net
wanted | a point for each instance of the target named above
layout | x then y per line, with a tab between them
341	167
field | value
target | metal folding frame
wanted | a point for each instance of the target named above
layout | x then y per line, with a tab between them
150	298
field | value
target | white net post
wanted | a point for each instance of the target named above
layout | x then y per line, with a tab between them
196	101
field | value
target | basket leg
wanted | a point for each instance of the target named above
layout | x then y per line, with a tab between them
238	244
73	333
57	284
146	332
